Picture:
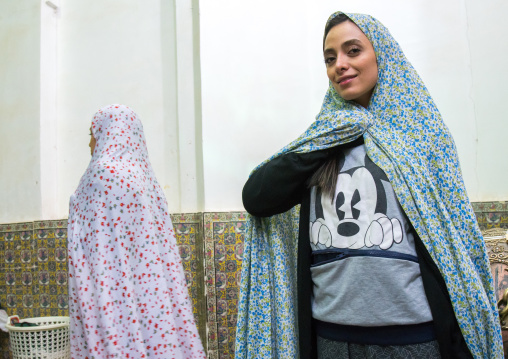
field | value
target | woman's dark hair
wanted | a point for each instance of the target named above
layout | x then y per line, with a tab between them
326	177
339	19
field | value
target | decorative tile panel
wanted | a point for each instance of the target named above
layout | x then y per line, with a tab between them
189	237
50	297
34	272
491	214
224	237
17	269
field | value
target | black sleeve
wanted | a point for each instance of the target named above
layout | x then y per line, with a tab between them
306	328
279	184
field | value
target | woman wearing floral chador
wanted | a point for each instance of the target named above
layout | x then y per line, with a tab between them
128	295
361	239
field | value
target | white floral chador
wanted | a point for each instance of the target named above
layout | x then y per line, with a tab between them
128	295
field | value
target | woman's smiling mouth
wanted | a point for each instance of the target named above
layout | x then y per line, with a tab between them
345	80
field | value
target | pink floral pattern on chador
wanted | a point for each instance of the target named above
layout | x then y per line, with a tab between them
128	295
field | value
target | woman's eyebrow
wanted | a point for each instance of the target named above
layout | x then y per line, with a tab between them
329	51
352	42
344	44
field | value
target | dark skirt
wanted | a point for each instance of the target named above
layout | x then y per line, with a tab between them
330	349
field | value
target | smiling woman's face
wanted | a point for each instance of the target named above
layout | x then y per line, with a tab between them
351	63
92	142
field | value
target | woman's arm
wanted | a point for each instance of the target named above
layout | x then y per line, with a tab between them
280	184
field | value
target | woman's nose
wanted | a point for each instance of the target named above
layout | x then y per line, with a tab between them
341	64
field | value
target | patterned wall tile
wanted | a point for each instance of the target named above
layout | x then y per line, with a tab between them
51	296
33	268
17	269
490	206
491	214
189	236
224	237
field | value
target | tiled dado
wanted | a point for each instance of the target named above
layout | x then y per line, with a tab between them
224	237
189	236
33	259
33	269
491	214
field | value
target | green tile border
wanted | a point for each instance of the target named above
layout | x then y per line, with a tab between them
499	206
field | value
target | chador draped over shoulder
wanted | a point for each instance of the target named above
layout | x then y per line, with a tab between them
128	295
404	135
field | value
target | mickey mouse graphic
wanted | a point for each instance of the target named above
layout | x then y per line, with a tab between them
357	216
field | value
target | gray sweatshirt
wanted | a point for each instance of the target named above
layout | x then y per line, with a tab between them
365	270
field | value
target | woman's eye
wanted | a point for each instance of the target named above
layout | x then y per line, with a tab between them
329	60
354	51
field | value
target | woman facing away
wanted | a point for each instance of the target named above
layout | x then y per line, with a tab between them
361	239
128	295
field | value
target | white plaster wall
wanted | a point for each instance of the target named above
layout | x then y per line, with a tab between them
126	51
263	81
142	54
260	84
488	30
57	69
19	110
109	52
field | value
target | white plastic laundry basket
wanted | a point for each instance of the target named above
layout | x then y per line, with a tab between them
48	340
